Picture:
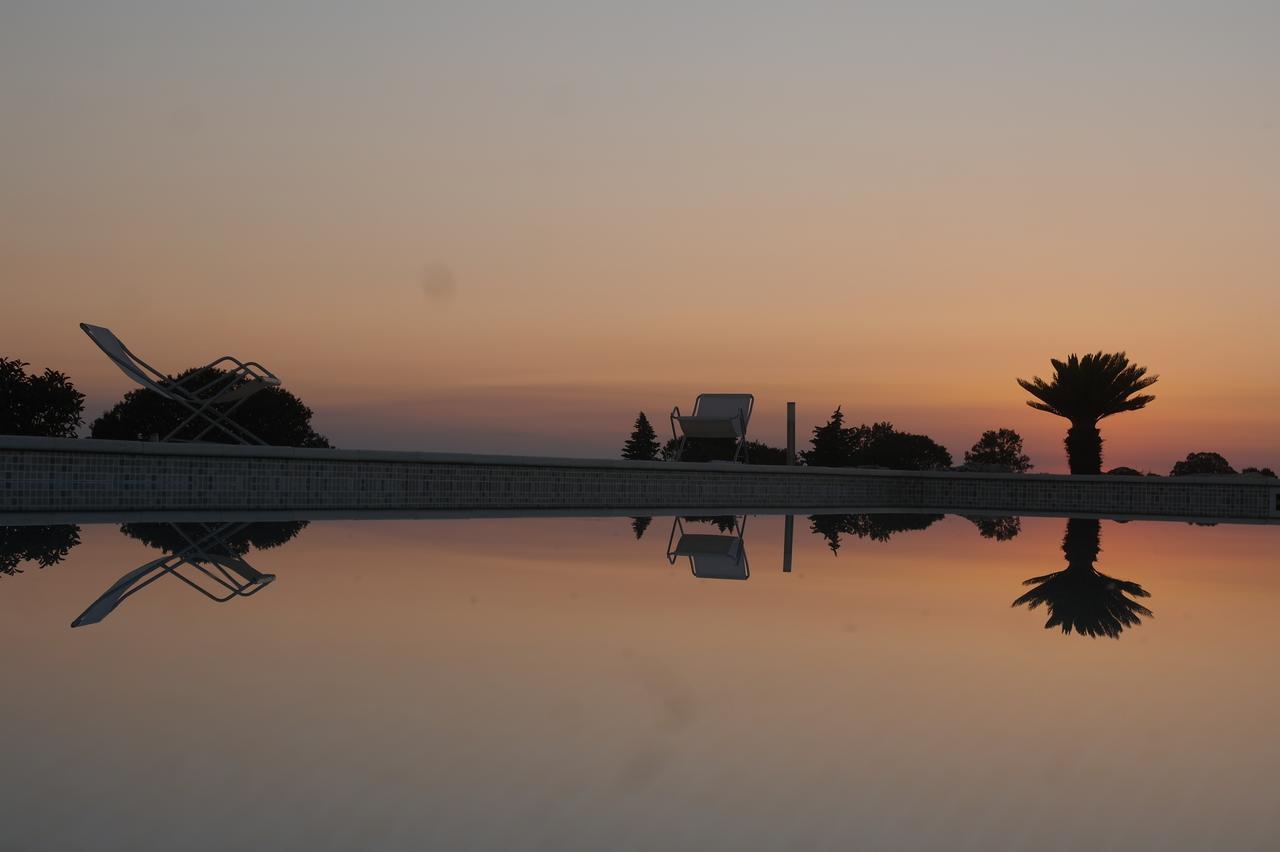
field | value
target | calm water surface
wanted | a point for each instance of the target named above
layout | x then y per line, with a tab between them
559	684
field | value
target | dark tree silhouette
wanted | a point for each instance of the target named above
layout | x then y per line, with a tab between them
1084	391
172	538
1260	471
643	443
1081	599
1201	464
44	545
639	525
1001	529
45	405
877	527
724	523
1124	471
830	443
877	445
1001	447
273	414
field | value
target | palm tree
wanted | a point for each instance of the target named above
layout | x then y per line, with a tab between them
1080	598
1085	390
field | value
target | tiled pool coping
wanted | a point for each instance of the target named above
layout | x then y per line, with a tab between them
58	475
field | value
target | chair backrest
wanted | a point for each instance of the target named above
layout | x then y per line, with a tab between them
131	365
723	405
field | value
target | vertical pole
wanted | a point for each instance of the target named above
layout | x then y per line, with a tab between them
788	534
791	433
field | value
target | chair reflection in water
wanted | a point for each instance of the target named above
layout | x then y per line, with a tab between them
711	557
214	568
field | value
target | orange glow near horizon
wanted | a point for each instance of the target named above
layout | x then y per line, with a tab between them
893	212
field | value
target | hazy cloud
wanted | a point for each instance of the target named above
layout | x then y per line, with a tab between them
439	283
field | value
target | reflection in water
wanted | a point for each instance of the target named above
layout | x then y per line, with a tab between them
212	556
43	545
639	525
1001	529
711	556
877	527
1080	598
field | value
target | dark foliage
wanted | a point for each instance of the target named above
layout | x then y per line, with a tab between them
877	445
830	443
1200	464
721	449
172	538
724	523
42	545
643	443
1260	471
1081	599
1001	447
877	527
1123	471
273	414
999	529
1084	391
639	525
45	405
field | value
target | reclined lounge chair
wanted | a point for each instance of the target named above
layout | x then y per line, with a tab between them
206	555
197	393
715	415
711	557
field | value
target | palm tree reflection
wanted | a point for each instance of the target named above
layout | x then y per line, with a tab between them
1080	598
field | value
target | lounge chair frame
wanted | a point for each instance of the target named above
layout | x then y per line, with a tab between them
692	546
719	425
197	397
227	571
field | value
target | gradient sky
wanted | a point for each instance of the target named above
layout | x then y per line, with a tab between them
507	227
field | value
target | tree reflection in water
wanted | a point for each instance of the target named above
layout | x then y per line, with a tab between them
1080	598
877	527
1000	529
43	545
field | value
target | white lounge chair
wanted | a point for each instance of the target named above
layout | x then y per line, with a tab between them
207	555
197	393
715	415
711	557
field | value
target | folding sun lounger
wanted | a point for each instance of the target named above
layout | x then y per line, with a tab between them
196	393
207	555
711	557
715	415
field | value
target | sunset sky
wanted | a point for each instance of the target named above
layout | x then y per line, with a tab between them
509	227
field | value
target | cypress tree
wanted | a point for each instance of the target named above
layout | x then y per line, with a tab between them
643	443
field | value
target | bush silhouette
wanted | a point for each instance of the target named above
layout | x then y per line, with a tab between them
273	414
43	545
1200	464
1002	447
45	405
877	527
721	449
877	445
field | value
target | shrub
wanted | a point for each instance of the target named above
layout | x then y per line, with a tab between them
273	414
46	405
1200	464
1001	447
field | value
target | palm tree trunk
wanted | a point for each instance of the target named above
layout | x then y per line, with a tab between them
1084	448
